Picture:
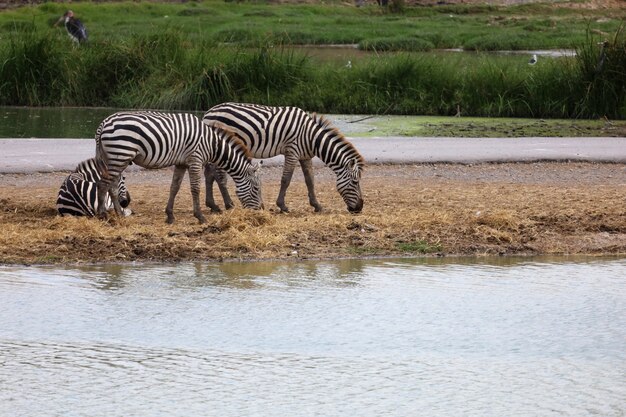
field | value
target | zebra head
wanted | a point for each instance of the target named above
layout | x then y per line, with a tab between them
249	188
123	193
348	184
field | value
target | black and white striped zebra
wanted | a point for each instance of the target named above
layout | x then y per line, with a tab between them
78	194
157	140
290	131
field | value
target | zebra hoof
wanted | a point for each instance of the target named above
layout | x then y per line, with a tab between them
170	220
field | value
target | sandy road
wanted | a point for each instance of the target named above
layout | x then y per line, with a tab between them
49	155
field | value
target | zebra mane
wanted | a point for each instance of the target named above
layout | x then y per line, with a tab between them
327	126
236	142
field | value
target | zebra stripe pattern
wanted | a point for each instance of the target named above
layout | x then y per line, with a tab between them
78	194
290	131
157	140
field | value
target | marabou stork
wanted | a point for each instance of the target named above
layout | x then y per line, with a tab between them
75	27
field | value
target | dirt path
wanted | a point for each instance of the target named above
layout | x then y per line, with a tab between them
410	210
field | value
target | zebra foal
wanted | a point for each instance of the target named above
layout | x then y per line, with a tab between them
78	194
290	131
157	140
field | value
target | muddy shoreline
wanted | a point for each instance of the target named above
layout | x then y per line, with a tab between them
410	210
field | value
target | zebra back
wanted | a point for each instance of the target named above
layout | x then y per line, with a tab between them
89	170
267	131
148	138
78	193
78	197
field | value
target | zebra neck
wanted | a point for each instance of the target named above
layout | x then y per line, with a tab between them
329	148
226	157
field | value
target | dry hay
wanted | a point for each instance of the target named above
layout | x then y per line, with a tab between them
409	210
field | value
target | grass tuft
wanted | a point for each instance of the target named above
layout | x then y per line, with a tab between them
170	70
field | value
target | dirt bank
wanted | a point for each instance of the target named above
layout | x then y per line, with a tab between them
436	210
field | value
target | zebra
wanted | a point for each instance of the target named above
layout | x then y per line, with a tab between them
290	131
78	195
157	140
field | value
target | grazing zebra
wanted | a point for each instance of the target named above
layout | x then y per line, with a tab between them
78	195
290	131
157	140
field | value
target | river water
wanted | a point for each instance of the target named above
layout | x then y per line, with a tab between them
82	122
347	338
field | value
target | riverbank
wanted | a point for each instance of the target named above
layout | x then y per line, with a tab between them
193	55
410	210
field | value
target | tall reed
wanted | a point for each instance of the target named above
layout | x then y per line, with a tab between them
601	74
170	71
32	70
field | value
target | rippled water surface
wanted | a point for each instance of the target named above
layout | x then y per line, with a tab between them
348	338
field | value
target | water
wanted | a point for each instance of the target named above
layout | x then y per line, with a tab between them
51	122
82	122
347	338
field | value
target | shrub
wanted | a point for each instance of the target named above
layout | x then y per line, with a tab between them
33	70
396	44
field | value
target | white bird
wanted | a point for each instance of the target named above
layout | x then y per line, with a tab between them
533	60
349	64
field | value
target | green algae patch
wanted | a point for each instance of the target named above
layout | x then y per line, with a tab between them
435	126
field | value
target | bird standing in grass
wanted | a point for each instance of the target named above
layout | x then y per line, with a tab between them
74	27
602	56
533	60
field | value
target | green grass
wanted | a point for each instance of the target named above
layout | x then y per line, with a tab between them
480	27
419	246
435	126
190	56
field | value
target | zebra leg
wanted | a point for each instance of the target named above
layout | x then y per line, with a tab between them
104	186
101	189
115	196
290	164
307	170
177	179
209	179
195	179
221	178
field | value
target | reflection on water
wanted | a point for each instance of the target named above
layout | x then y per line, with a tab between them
48	122
53	122
369	338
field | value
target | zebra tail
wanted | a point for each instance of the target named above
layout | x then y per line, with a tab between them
102	160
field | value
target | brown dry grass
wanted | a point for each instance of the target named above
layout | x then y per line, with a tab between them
415	210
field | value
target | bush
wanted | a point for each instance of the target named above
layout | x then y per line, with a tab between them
601	69
168	71
497	42
396	44
33	70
